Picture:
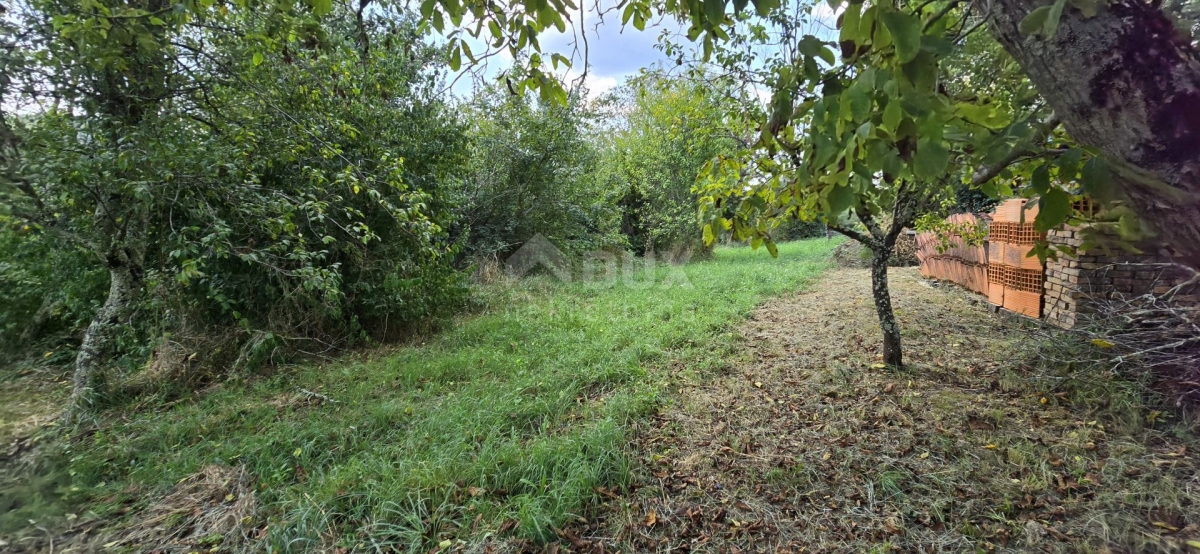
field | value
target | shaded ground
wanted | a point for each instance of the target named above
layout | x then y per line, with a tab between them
810	445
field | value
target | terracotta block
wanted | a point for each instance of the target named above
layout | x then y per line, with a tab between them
1018	256
996	293
995	252
1022	302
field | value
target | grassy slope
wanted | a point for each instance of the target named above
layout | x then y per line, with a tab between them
514	414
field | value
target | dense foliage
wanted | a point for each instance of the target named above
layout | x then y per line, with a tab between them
667	127
222	186
532	171
233	186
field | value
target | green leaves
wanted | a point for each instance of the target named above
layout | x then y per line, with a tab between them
714	10
1035	21
813	47
839	198
893	114
931	159
321	7
1043	20
906	33
765	7
1089	8
455	57
986	115
1096	179
1054	207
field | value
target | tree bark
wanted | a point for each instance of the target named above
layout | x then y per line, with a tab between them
892	354
98	339
1126	82
124	224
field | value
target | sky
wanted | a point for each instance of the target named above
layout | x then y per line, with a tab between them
614	54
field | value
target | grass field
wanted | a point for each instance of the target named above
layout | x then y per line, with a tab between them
511	421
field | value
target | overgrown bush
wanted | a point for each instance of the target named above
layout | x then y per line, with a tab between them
852	254
531	171
50	293
795	229
664	130
302	214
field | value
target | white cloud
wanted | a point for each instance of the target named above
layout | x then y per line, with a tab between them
597	85
612	52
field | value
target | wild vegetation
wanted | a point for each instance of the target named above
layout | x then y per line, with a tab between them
509	421
253	263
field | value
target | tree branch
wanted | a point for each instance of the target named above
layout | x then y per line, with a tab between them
867	241
869	220
987	173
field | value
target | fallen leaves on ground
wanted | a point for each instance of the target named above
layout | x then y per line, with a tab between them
806	444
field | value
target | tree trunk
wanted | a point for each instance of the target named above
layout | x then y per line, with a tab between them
892	354
1127	83
124	224
98	339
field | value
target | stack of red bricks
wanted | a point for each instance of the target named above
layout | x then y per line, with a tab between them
1074	283
953	259
1014	277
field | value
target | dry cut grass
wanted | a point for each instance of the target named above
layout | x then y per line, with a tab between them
809	445
212	510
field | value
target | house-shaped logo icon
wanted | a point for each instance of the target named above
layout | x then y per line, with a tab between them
539	251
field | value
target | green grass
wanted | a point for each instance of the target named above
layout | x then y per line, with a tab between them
515	413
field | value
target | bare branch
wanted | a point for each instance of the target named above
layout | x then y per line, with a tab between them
854	234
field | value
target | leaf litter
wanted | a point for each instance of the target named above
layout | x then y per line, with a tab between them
804	443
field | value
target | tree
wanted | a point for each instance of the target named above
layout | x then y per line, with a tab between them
531	172
866	143
667	127
1116	73
246	194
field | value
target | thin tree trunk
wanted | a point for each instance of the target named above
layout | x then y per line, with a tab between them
98	339
1127	83
124	253
892	354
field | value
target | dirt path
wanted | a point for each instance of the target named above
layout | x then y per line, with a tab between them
808	444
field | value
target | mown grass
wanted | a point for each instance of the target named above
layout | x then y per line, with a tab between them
514	415
1000	434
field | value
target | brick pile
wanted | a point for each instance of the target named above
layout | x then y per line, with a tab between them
1064	289
959	262
1075	283
1014	277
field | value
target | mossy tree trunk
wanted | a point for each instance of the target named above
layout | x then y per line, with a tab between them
880	239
